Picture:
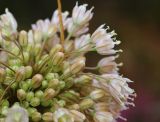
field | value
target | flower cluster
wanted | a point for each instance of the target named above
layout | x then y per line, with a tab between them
43	80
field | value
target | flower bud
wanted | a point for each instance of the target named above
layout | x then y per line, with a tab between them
58	58
86	103
103	117
25	104
35	102
13	62
29	96
46	103
20	74
74	107
37	36
31	110
44	84
82	80
47	117
24	86
29	71
55	49
37	80
97	94
51	76
53	83
2	75
21	94
26	57
37	49
36	116
23	39
68	46
39	94
78	116
61	103
49	94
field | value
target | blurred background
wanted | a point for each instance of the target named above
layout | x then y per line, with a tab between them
137	23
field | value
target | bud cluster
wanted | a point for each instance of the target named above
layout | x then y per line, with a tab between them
43	80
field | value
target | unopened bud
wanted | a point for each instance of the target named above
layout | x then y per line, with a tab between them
20	74
35	102
47	117
44	84
51	76
21	94
23	38
78	116
29	96
36	116
39	94
97	94
55	49
58	58
5	102
37	49
74	107
49	94
4	110
29	71
86	103
37	80
68	46
77	66
31	110
53	83
2	75
37	36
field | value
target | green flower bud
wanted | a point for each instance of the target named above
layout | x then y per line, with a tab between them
44	84
53	83
21	94
25	104
62	85
13	62
46	103
86	103
50	76
47	117
2	75
37	36
49	94
20	74
23	38
82	80
39	94
74	107
61	103
31	111
26	57
37	49
65	118
24	85
29	71
36	117
29	96
37	81
35	102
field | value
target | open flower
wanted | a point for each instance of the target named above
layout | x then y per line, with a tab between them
17	114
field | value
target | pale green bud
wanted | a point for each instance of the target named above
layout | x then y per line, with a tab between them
29	71
39	94
46	103
86	103
44	84
35	102
37	49
31	110
36	116
5	102
29	96
53	83
4	110
47	117
23	38
37	36
21	94
58	58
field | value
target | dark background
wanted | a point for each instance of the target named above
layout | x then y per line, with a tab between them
137	23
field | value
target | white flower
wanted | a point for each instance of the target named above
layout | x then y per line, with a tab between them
55	19
104	43
80	15
8	21
108	65
103	117
62	113
83	43
17	114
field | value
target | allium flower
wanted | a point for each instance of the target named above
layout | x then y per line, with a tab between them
17	114
45	77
